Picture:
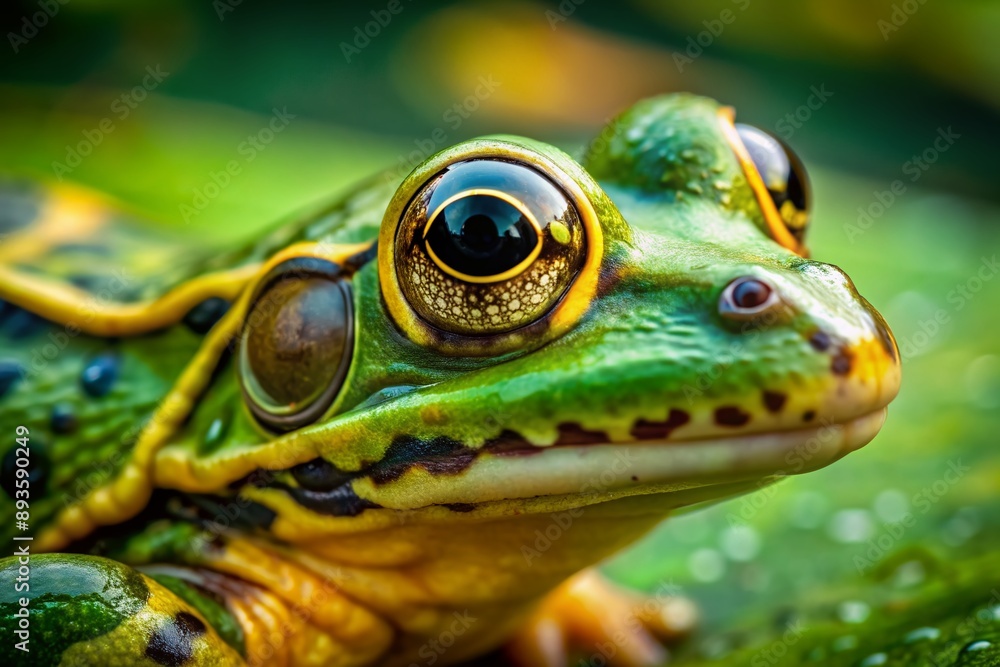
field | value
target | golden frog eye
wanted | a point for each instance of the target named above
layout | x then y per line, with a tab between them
487	246
296	343
783	175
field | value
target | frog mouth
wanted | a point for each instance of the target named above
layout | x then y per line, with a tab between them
586	473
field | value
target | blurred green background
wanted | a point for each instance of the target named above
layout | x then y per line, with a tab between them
885	553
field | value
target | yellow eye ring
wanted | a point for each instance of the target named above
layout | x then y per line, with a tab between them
509	273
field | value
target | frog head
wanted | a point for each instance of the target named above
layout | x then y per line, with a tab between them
532	333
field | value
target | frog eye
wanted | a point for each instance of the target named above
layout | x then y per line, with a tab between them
487	246
784	179
746	298
296	343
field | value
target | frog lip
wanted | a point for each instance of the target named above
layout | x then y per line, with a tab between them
611	470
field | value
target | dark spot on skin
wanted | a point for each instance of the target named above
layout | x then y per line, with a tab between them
39	467
171	644
571	433
10	373
203	317
63	419
634	478
842	362
820	341
190	623
320	475
99	375
460	507
648	430
808	415
438	456
22	324
774	401
731	415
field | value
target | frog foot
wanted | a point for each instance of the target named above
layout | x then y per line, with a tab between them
590	616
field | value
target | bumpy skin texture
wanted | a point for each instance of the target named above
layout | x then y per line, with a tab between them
411	511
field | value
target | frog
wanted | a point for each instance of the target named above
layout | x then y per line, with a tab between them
405	426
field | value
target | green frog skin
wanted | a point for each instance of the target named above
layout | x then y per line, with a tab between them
400	429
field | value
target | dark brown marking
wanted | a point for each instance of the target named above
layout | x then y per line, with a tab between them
461	507
808	415
571	433
842	363
170	645
820	340
438	456
648	430
731	415
634	478
774	401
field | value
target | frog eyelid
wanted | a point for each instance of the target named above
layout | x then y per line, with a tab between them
772	217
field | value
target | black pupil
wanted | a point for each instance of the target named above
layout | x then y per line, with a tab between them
481	235
750	294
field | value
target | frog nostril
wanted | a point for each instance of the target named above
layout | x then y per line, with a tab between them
746	297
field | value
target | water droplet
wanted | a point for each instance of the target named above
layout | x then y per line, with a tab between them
740	543
910	573
982	381
921	634
851	526
977	645
845	643
874	659
707	565
808	510
853	611
891	505
818	654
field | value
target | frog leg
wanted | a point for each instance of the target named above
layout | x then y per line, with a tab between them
85	610
589	616
288	614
